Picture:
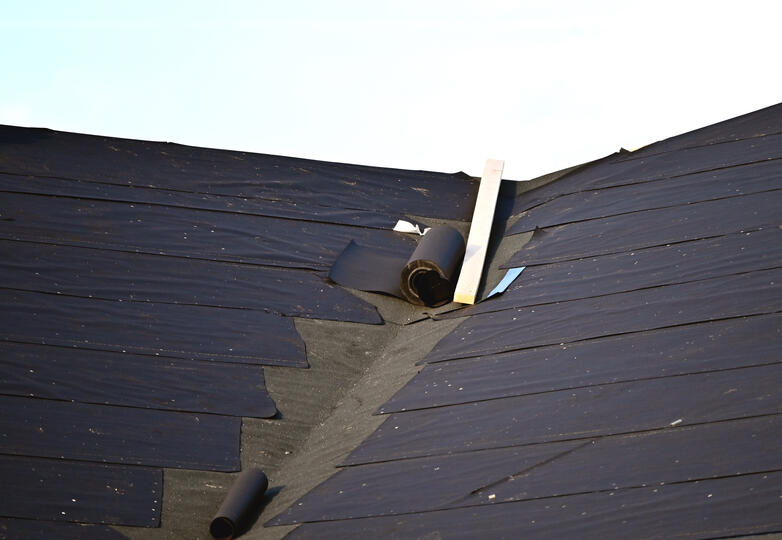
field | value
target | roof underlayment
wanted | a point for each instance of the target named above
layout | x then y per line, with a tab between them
160	302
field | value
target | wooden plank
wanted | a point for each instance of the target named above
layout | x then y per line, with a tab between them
478	240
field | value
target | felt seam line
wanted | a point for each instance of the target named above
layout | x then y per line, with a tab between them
317	271
15	338
589	438
522	472
558	224
198	208
638	182
665	244
580	387
631	157
562	301
191	412
476	355
546	497
314	266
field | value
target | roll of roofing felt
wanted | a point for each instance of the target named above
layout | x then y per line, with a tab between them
429	277
240	503
426	277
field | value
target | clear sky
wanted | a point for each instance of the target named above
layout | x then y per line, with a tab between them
437	85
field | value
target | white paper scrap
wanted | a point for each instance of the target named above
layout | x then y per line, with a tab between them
407	227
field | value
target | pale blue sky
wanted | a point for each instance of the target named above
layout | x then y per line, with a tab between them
431	85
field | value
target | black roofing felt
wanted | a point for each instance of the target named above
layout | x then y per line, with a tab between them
747	126
725	297
309	185
520	473
25	528
113	275
689	261
626	385
56	490
425	276
116	378
622	169
659	353
705	508
699	187
627	232
90	190
167	330
144	286
87	432
184	232
603	410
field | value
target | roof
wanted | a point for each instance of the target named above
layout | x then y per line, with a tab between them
144	287
160	302
626	385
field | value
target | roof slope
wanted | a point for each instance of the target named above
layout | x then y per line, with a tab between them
626	385
144	287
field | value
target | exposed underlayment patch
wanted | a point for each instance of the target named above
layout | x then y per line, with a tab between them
352	420
325	412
